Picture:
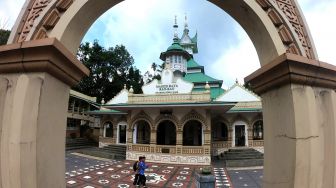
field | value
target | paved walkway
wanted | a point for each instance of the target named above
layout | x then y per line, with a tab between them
90	172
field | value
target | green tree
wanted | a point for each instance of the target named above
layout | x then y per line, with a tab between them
154	73
4	35
110	69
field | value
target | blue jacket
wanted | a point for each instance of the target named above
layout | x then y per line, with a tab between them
142	167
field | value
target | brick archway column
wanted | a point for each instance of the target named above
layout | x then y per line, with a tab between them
299	110
35	80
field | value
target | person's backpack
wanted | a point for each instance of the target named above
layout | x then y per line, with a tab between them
135	166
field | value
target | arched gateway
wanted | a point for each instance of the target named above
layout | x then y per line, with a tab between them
38	66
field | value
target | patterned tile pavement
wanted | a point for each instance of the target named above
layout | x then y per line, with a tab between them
246	178
88	172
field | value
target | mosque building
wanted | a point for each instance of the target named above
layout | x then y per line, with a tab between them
184	118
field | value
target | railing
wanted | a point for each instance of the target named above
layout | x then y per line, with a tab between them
141	148
258	143
221	144
106	139
187	150
192	150
160	98
165	149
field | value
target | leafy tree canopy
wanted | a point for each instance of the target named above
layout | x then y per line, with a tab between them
110	69
4	35
154	72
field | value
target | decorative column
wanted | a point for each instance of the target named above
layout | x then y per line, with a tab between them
299	110
130	129
207	134
153	137
179	139
35	80
250	134
230	132
115	132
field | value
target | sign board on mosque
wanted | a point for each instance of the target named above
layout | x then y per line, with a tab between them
168	85
167	88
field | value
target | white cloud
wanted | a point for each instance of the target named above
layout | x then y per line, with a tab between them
145	27
320	17
237	61
9	11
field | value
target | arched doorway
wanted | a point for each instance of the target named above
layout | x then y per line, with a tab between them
193	133
122	133
240	134
166	133
108	129
219	132
258	130
142	132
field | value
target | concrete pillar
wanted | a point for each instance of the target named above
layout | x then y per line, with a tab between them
153	137
179	137
35	80
299	110
129	139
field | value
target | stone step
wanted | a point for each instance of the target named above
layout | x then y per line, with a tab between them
226	155
243	157
98	152
244	162
79	143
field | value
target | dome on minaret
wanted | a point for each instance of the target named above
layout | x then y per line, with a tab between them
176	57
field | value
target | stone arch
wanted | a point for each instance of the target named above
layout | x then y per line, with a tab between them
240	117
169	117
166	131
193	115
108	131
141	116
274	26
255	133
220	120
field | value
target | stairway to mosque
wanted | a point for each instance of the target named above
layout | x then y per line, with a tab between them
243	157
79	143
109	152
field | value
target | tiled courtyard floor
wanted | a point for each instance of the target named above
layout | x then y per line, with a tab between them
88	172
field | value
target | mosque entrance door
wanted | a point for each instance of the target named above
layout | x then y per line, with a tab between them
122	134
240	135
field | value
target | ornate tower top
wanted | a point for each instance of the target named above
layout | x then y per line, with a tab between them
176	38
188	43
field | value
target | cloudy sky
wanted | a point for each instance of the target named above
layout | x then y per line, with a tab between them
224	48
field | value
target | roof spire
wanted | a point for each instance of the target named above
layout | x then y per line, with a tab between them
175	30
186	30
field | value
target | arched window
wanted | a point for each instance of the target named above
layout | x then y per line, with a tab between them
220	132
108	126
258	130
142	132
192	133
166	133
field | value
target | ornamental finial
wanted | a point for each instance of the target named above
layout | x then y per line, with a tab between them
185	21
175	30
131	90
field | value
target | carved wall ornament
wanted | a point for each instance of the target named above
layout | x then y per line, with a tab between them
194	115
292	15
141	116
168	117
